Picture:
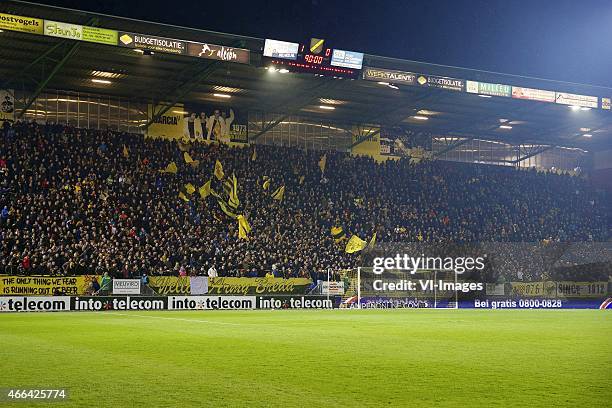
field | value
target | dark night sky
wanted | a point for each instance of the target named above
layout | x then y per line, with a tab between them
568	40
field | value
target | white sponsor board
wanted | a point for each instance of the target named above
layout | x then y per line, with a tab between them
126	286
533	94
586	101
34	304
63	30
333	288
211	302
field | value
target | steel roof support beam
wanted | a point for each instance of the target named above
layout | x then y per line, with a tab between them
299	103
42	85
189	85
368	136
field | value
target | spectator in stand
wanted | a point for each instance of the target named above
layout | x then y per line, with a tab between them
73	203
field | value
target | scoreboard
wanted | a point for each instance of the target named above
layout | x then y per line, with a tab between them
315	58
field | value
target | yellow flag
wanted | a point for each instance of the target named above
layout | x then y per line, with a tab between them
279	193
183	197
243	227
371	243
337	233
170	168
254	155
323	162
187	158
225	210
204	190
189	188
183	147
355	244
266	183
233	201
219	170
126	152
302	179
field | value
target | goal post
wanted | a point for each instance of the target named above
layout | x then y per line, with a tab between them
397	288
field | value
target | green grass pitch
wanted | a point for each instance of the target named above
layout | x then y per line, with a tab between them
418	358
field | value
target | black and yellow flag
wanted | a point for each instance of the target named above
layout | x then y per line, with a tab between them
254	155
182	196
323	163
189	188
355	244
219	170
170	168
187	158
371	243
266	183
279	193
224	208
337	233
243	227
205	190
302	179
233	200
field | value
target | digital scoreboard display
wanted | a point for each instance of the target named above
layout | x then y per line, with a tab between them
313	58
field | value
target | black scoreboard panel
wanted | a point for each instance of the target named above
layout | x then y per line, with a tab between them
315	58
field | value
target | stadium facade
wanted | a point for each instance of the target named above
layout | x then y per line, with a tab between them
99	71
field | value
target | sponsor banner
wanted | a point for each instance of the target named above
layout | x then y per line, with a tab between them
297	302
606	103
7	105
347	59
211	302
22	24
175	285
332	288
586	101
152	43
63	30
536	303
281	49
485	88
386	75
35	304
99	303
126	286
451	84
100	35
44	285
494	289
218	52
533	94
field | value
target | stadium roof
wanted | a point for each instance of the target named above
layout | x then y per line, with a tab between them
37	62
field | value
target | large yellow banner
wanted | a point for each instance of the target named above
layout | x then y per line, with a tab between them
169	125
174	285
44	285
23	24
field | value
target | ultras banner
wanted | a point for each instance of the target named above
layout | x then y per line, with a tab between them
174	285
44	285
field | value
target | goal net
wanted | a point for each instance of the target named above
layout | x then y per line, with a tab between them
396	288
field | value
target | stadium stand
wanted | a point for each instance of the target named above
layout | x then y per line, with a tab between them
79	201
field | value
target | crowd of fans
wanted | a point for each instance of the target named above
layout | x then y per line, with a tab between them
73	202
